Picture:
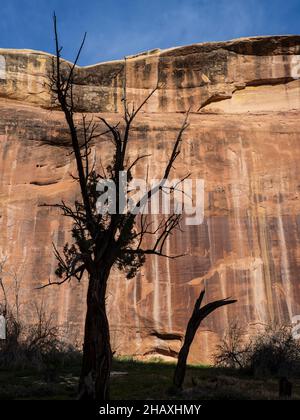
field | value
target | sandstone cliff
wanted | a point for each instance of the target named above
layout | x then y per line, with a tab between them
243	140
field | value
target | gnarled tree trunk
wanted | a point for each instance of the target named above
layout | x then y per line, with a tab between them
97	353
199	314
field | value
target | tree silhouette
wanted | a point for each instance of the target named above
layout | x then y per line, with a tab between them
102	241
198	315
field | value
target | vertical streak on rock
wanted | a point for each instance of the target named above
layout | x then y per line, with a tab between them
223	293
265	295
155	278
156	293
285	266
256	268
169	288
258	290
221	272
211	243
263	242
52	297
239	172
10	219
136	317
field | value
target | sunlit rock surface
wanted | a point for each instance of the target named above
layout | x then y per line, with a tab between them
243	140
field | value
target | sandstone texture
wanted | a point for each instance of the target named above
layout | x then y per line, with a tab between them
243	140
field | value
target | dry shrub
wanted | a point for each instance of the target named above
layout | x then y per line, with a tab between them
39	345
273	352
234	350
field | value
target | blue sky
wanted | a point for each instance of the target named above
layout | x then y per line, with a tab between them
123	27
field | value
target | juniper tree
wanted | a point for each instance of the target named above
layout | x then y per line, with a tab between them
101	241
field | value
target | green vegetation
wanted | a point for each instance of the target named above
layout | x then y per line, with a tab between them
140	380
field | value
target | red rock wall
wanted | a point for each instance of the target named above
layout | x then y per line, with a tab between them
243	140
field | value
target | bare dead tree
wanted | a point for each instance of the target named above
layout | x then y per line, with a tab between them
102	241
198	315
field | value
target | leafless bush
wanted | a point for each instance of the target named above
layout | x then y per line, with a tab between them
39	344
273	352
43	335
234	350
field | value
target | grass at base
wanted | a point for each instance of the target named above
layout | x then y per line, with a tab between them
134	380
